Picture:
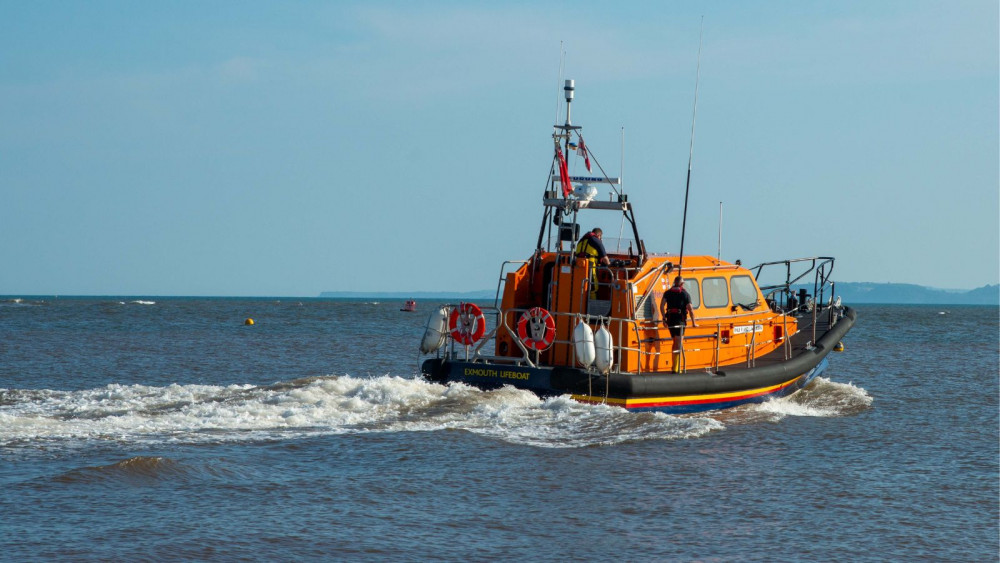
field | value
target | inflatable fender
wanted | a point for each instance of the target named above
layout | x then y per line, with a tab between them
583	343
434	331
603	345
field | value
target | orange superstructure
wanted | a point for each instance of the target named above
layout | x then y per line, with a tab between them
733	325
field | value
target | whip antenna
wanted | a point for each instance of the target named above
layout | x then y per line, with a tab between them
694	115
562	66
720	231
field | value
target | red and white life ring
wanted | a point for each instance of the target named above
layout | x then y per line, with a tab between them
536	328
467	323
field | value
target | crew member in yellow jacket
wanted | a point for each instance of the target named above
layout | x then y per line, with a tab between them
591	248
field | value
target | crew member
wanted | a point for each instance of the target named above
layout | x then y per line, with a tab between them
591	248
675	308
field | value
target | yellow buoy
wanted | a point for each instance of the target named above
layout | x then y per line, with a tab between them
839	347
248	322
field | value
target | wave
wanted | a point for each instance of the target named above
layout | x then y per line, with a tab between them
19	302
141	302
145	470
821	398
136	470
321	405
345	405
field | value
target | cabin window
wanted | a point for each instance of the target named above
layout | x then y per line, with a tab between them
716	292
744	291
691	286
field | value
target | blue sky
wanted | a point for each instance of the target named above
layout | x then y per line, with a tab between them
289	148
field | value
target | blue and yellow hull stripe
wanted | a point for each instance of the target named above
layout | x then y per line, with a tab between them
695	403
538	380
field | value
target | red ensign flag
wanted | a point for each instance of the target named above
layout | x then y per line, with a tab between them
567	186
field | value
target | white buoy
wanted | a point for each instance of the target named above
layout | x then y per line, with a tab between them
583	343
603	345
434	331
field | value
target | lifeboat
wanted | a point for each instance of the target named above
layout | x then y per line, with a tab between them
567	322
409	307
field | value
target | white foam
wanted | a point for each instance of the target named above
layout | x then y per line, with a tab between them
141	302
325	405
822	398
18	302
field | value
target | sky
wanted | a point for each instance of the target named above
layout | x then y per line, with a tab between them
289	148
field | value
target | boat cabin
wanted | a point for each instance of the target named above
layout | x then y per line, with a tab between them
733	321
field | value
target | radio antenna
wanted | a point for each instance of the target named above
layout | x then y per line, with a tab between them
621	163
694	115
720	231
562	66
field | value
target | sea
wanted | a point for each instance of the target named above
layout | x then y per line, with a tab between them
168	429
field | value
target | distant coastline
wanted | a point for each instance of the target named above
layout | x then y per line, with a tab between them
850	293
910	294
469	295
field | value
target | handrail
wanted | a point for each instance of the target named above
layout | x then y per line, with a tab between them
821	265
718	343
503	279
619	347
668	266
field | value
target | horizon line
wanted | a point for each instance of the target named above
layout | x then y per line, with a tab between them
347	294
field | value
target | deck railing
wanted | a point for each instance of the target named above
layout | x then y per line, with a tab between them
506	320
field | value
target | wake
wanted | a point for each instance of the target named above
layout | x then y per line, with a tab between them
321	406
140	414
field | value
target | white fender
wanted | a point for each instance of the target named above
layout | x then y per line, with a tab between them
603	343
434	331
583	343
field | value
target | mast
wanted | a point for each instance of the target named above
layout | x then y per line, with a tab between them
567	128
568	91
561	137
558	204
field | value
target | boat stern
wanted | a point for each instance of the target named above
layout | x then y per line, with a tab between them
489	375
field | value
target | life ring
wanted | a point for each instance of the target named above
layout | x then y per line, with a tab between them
536	328
467	323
